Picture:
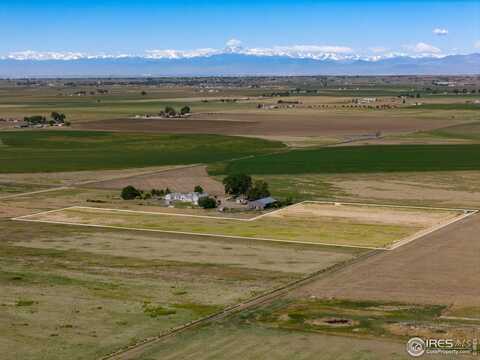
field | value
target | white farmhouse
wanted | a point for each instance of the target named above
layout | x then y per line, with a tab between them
191	197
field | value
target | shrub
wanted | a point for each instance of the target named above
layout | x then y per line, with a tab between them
207	202
198	189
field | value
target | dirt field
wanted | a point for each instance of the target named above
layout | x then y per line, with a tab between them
441	268
182	180
76	177
296	123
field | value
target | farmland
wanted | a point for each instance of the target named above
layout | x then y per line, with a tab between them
368	254
74	150
356	159
349	225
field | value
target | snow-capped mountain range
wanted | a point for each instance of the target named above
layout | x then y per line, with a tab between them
236	60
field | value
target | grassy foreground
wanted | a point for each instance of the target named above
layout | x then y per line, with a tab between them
47	151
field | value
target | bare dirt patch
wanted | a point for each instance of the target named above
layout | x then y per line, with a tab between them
182	180
292	124
76	177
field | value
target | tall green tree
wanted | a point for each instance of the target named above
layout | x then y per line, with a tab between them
185	110
237	184
258	191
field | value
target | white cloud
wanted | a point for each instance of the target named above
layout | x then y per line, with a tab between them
477	44
422	48
440	31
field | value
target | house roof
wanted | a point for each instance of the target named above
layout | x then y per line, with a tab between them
266	201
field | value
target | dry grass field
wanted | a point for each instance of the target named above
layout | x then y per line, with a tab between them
441	189
70	293
315	223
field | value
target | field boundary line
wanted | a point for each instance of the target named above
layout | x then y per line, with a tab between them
392	246
459	318
26	218
390	205
158	213
35	192
276	211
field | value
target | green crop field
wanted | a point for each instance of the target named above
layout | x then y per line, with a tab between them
454	106
359	159
48	151
469	131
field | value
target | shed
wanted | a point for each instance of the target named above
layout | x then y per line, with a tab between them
261	204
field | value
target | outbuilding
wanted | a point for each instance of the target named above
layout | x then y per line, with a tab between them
262	204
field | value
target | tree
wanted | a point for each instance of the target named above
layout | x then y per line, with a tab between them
170	111
185	110
35	119
130	193
58	117
143	93
258	191
198	189
237	184
207	202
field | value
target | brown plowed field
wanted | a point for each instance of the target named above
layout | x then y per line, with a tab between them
275	124
182	180
440	268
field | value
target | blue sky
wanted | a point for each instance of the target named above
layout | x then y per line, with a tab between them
362	27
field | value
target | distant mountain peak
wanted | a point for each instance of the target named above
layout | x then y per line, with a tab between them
235	60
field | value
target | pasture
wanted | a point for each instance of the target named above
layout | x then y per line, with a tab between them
75	293
307	223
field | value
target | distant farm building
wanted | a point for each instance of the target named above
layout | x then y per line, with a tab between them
262	204
191	197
